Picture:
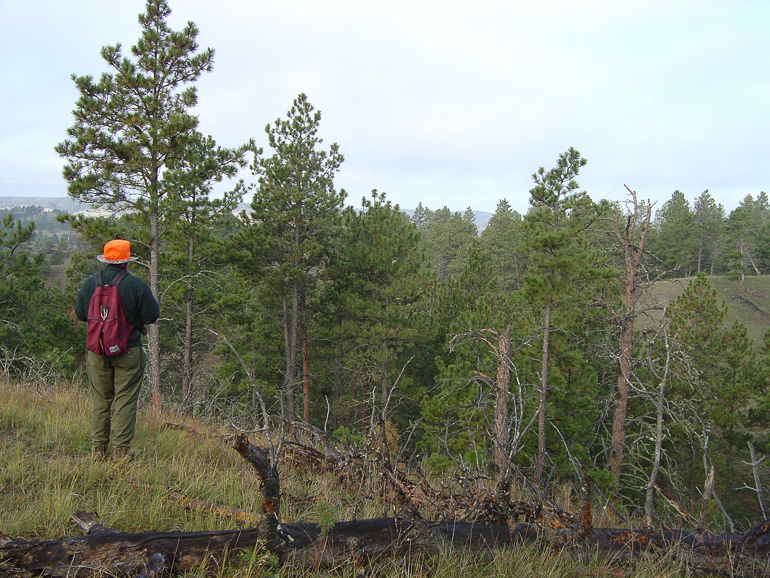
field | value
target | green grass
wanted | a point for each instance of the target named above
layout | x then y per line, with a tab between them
728	290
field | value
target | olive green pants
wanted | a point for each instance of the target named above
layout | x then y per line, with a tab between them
114	380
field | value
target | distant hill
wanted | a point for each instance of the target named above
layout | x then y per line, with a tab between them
64	204
482	217
748	304
68	205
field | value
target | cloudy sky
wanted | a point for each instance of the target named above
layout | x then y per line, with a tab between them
447	103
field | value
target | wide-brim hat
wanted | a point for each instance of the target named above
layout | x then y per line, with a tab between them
117	252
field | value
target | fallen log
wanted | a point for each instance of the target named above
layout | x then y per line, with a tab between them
105	551
307	545
118	552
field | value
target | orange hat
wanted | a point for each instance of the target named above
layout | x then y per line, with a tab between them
117	252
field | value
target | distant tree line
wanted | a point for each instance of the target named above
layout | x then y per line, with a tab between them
698	238
54	239
511	352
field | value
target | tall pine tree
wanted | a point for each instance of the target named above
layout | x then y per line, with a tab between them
559	259
295	215
132	126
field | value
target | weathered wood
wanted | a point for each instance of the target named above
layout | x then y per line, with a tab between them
306	544
270	487
155	567
686	516
586	521
88	523
119	553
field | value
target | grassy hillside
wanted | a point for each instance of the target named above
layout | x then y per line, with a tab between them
748	304
47	474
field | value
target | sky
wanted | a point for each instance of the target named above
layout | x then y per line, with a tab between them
446	103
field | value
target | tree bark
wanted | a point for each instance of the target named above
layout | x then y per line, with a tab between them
757	479
290	343
625	345
632	290
187	351
305	360
659	411
187	358
153	331
543	395
502	396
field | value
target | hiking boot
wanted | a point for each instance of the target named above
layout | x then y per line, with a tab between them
99	453
122	455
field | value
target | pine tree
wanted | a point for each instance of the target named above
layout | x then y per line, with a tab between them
132	126
673	241
746	230
295	215
559	260
18	274
191	247
709	218
446	237
459	416
420	216
34	328
719	380
503	239
374	301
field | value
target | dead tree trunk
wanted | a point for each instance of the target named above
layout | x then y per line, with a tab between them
259	458
757	479
108	552
541	450
659	434
305	359
502	395
632	243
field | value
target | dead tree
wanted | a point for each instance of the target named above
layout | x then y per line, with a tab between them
633	288
506	430
105	551
755	463
660	400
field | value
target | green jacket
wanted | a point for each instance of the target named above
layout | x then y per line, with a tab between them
139	304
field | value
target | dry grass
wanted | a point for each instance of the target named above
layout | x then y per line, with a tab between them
47	473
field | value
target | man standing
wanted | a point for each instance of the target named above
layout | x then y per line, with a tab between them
117	379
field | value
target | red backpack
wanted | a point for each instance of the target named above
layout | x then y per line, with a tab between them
107	329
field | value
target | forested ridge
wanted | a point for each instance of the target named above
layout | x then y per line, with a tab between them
536	349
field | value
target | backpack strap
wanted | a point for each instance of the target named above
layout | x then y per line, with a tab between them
119	276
